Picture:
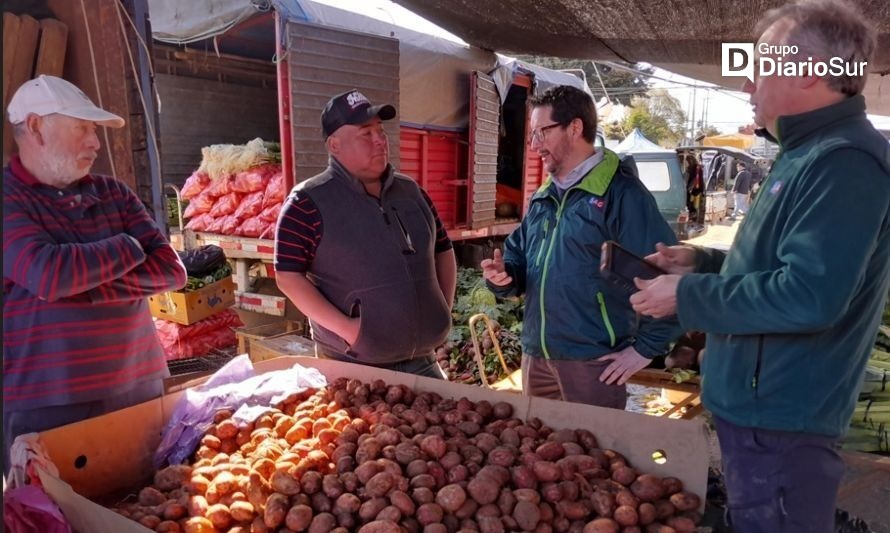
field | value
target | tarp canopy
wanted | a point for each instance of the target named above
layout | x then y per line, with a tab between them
433	72
636	143
736	140
682	36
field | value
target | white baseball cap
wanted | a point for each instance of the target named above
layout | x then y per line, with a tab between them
45	95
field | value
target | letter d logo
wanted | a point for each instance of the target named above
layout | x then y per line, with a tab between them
737	60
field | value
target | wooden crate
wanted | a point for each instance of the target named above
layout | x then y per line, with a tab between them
247	335
281	346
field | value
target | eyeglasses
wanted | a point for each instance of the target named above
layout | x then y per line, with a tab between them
537	135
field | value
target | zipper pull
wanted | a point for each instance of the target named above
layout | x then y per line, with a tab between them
384	213
754	382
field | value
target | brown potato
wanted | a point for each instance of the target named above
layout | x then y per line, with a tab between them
647	488
150	496
276	508
219	515
626	515
671	485
242	511
198	524
681	524
647	513
685	501
546	471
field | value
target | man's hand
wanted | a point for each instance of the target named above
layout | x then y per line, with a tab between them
624	364
657	297
493	270
678	259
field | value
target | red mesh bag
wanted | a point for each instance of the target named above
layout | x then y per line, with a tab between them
226	205
200	222
253	180
250	206
194	185
275	192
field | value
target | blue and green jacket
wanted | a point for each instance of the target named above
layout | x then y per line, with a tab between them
571	312
792	316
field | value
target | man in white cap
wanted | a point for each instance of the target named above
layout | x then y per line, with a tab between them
81	255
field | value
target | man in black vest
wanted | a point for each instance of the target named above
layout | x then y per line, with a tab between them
360	250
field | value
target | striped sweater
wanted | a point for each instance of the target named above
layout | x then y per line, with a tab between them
78	265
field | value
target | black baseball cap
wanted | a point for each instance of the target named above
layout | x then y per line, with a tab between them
351	107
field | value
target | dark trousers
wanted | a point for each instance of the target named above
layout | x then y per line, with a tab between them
571	381
17	423
778	481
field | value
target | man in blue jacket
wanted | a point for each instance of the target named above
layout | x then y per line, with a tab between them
791	312
581	341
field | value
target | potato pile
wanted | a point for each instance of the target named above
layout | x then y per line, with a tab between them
375	458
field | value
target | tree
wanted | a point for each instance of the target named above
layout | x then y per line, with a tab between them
706	131
659	116
621	84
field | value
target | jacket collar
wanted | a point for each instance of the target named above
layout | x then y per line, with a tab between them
595	182
340	172
794	130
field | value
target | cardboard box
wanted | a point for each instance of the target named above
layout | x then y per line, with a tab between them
107	454
286	345
190	307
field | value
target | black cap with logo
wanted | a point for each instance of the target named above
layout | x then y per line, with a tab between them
351	107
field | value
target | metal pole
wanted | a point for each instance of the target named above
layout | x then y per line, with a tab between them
143	27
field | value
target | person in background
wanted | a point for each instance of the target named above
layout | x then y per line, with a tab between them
360	250
80	256
581	340
741	190
792	310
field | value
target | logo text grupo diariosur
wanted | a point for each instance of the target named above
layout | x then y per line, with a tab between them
737	60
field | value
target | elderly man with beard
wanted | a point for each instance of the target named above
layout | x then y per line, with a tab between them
360	250
80	256
581	340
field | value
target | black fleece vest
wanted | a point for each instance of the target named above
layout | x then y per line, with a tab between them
376	260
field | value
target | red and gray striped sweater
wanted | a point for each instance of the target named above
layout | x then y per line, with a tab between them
78	265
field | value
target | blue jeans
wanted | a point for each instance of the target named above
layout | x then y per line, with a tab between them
778	481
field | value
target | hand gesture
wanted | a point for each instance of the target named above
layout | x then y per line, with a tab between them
678	259
493	270
624	364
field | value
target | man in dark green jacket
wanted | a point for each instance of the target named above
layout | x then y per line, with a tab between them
581	341
792	314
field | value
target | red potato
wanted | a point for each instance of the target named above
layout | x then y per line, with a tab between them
601	525
380	526
647	513
527	514
626	515
681	524
430	513
451	497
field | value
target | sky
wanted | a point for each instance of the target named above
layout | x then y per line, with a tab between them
725	110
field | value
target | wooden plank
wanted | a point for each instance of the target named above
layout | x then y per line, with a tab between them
11	27
21	66
53	44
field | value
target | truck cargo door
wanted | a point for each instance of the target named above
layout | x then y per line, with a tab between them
325	61
485	109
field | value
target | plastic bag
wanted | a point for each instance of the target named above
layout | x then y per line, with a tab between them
275	192
270	214
201	204
215	226
220	187
194	185
226	205
202	261
255	179
252	227
27	509
200	222
229	225
250	206
231	387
